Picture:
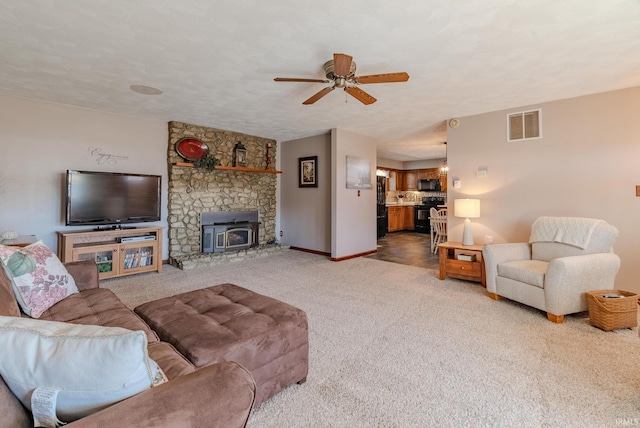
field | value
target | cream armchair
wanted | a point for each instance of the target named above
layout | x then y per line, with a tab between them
565	257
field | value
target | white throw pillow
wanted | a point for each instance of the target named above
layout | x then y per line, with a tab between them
38	277
91	366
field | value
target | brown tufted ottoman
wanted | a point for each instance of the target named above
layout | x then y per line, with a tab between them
229	323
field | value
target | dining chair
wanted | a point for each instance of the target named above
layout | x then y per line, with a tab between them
438	221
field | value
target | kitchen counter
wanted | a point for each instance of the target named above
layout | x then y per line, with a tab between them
404	204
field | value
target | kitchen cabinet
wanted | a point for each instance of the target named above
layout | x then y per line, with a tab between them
443	182
387	170
394	215
387	181
392	181
400	181
429	173
400	218
408	218
410	179
407	180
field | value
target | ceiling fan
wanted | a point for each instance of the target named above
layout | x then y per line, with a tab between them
340	71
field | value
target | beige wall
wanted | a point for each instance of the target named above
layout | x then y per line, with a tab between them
305	213
39	141
422	164
389	163
353	229
330	218
586	165
418	164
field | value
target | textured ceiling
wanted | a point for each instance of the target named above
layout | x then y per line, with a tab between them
216	60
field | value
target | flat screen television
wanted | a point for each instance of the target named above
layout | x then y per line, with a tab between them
111	198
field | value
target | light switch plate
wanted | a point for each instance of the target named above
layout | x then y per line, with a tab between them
637	190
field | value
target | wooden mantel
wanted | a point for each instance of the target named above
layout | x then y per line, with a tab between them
232	168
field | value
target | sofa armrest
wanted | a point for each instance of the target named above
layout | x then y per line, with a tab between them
220	395
84	273
12	413
499	253
567	279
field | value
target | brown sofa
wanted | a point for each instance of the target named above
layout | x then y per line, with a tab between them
219	395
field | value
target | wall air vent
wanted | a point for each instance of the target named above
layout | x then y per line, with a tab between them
524	125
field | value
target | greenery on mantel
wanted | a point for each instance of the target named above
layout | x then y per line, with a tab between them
209	162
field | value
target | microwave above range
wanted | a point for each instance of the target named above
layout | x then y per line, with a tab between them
429	185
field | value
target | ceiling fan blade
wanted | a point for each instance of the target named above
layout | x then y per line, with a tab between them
360	95
292	79
318	95
341	64
383	78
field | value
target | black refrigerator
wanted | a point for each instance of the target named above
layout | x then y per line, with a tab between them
381	206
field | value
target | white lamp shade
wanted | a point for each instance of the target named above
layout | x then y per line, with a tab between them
467	208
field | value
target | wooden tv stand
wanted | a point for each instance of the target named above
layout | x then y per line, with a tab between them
114	258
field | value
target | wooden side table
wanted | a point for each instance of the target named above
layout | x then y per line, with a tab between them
20	241
452	263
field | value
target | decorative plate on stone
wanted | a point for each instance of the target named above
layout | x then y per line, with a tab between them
191	149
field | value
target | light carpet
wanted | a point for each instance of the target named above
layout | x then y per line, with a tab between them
393	346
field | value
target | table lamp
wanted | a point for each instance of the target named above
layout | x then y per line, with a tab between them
467	208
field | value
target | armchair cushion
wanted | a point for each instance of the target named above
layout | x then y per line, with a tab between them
528	271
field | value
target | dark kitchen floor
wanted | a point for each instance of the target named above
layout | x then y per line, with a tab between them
407	248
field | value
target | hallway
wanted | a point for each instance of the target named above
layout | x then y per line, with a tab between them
407	248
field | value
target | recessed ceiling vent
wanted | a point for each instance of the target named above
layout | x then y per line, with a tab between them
524	125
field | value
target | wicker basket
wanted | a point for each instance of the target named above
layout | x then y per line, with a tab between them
612	313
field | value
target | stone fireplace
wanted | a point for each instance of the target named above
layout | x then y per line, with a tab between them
193	192
229	231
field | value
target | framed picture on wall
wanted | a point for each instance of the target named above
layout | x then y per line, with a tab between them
308	171
358	173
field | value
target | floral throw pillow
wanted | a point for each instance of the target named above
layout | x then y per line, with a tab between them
38	277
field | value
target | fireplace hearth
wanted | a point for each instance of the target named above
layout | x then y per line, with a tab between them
229	231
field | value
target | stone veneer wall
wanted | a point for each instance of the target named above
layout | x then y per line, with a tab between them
196	190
